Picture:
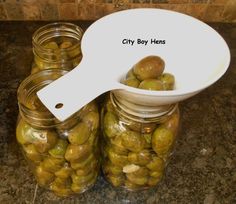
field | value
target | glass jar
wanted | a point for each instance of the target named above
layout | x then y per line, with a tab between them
137	142
64	156
56	45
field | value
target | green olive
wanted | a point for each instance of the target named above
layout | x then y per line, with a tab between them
64	172
46	139
156	174
110	168
43	177
131	186
87	167
162	140
133	141
83	172
137	179
130	74
25	133
52	164
77	188
63	182
148	139
60	189
151	84
93	139
133	82
77	152
90	107
65	44
152	181
79	134
112	127
86	163
116	180
118	147
141	158
141	127
83	179
172	123
51	45
59	150
76	60
149	67
92	120
156	164
80	188
116	159
168	81
141	172
31	153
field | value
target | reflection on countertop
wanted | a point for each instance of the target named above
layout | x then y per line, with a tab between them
202	169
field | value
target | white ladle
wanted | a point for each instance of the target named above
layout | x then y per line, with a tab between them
193	52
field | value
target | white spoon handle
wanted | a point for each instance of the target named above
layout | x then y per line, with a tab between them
72	91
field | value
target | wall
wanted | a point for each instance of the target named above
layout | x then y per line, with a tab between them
206	10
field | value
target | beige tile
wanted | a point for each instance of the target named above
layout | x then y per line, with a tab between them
29	1
140	1
48	1
86	11
196	10
12	1
199	1
67	11
214	13
143	5
49	11
229	13
182	8
178	1
103	9
122	4
31	11
218	1
3	15
14	11
67	1
159	1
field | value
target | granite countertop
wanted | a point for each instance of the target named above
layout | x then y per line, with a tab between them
202	169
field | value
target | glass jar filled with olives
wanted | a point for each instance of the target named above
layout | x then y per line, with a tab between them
138	141
64	156
56	45
139	137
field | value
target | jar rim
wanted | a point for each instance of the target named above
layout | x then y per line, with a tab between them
56	27
27	91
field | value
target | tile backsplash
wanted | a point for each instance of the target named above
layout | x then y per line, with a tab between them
206	10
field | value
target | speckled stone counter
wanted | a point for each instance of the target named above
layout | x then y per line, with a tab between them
202	169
